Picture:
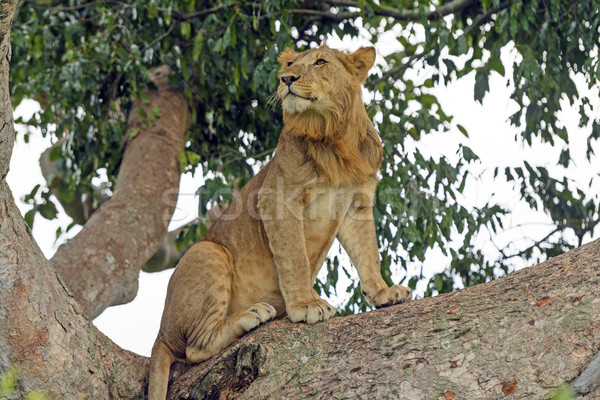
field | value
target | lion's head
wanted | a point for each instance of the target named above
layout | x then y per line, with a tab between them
322	86
320	92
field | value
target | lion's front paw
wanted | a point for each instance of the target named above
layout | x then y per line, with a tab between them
389	295
312	311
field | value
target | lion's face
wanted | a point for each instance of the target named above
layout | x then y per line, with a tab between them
322	80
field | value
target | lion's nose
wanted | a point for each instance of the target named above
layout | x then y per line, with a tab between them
289	79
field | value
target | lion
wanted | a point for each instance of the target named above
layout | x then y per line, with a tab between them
260	259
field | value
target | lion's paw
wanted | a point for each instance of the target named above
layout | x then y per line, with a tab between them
256	314
390	295
312	312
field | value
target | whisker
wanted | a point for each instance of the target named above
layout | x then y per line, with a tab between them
273	101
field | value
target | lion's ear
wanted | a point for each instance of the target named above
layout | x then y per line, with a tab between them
285	56
362	60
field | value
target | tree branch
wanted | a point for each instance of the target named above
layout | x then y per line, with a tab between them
536	244
407	15
101	264
160	38
525	335
81	207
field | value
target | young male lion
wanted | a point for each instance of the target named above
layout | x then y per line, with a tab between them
260	259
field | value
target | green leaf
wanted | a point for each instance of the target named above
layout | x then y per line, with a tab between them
154	112
462	130
186	29
564	158
29	217
197	49
468	154
31	196
427	100
481	84
512	22
55	153
47	210
133	132
462	45
496	65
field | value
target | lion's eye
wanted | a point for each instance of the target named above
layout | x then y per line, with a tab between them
320	61
290	63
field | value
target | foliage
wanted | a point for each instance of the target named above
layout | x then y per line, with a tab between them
8	385
8	381
87	62
563	393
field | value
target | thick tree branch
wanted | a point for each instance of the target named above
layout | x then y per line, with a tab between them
81	207
101	264
523	335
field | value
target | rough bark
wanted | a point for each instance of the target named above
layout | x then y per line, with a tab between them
519	337
7	135
43	331
102	263
44	335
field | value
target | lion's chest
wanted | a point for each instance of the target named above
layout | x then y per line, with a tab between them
325	205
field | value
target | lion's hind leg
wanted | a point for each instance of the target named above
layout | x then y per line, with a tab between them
227	330
211	329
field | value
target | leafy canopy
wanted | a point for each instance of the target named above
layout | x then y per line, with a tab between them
86	62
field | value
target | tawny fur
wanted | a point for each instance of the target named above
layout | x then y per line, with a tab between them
261	258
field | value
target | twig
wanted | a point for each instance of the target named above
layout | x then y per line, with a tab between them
476	22
161	37
484	17
533	246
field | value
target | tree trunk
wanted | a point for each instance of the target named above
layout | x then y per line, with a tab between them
46	341
43	332
7	130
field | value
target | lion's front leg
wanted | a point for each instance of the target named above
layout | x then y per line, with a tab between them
280	207
357	236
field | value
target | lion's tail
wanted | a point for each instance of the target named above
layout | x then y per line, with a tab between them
160	365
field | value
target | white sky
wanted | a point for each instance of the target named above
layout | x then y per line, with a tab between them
134	326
